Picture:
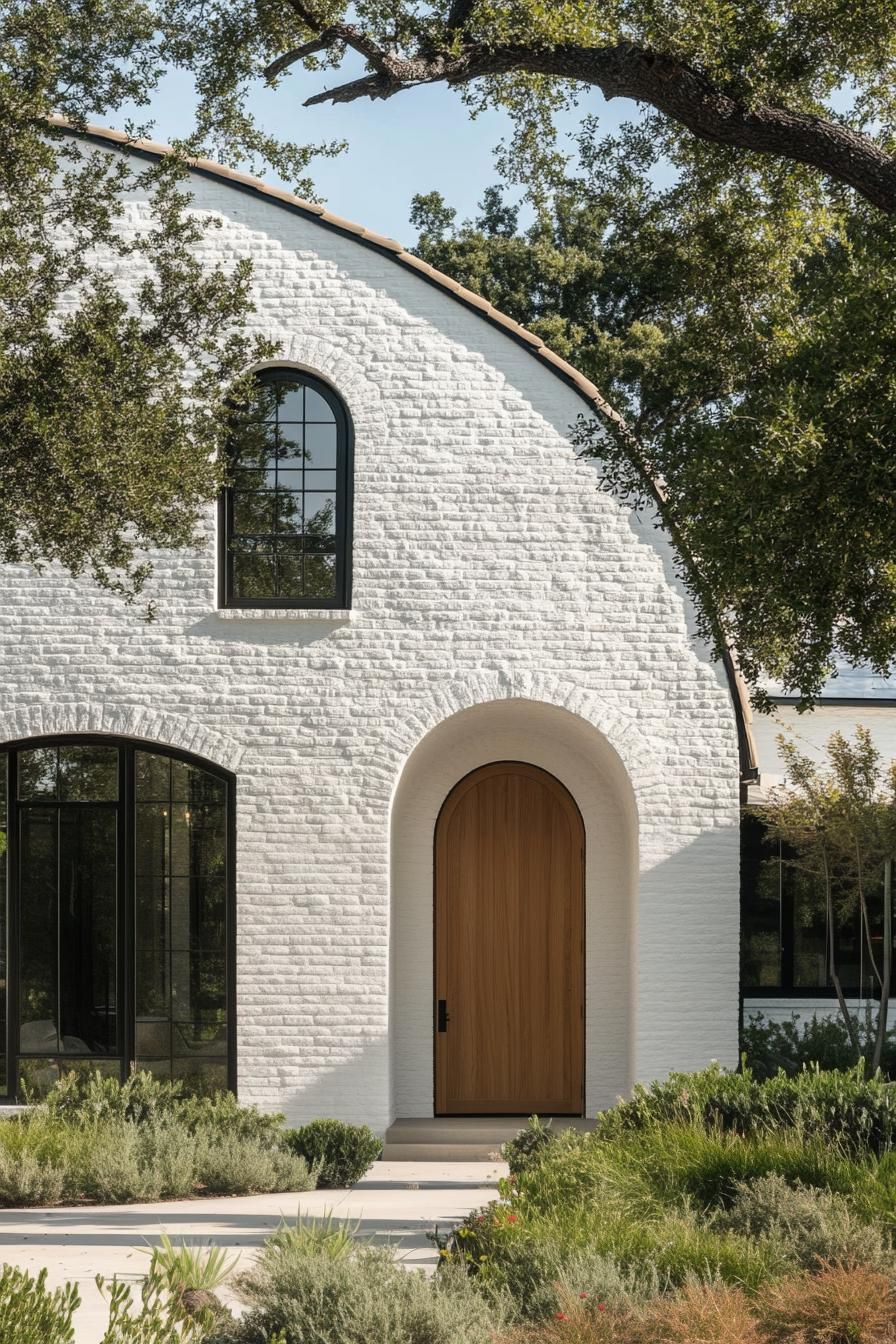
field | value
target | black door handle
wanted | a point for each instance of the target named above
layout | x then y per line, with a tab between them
442	1018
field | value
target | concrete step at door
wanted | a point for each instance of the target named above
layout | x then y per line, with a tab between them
459	1138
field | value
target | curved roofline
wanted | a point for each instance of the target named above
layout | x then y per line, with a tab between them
318	214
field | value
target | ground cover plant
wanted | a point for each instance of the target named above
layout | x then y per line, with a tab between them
711	1208
705	1208
93	1138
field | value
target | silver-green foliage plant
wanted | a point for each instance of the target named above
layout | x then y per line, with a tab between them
809	1227
305	1292
30	1313
98	1139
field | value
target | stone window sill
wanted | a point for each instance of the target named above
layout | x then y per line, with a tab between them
332	615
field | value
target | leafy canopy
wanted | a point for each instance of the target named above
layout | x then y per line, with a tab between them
735	317
740	323
118	344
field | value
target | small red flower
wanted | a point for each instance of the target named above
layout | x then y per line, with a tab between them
601	1306
560	1316
583	1294
512	1218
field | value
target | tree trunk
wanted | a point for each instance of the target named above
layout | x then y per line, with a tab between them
832	963
886	966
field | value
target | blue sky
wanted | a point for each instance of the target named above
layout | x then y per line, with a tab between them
420	141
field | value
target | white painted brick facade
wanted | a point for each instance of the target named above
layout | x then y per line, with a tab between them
489	571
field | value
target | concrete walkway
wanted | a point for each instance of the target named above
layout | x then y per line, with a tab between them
396	1204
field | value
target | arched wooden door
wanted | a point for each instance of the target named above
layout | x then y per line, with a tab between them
509	861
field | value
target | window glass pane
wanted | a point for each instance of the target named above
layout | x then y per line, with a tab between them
289	480
760	908
88	774
320	513
289	513
316	408
254	446
320	575
38	1076
320	480
37	773
290	401
153	777
151	946
289	569
202	1076
258	478
254	513
152	840
809	928
253	573
38	931
182	935
290	440
87	930
320	446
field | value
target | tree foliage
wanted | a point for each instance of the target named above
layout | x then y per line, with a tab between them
736	319
740	323
118	343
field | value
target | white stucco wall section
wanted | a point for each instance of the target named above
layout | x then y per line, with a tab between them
811	730
488	568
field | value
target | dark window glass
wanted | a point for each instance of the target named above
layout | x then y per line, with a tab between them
68	892
286	514
181	949
784	922
762	912
89	870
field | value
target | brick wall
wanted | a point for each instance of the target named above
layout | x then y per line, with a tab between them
488	568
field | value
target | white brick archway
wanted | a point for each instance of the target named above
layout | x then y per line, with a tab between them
577	753
150	725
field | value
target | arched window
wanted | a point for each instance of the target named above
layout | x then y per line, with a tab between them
119	911
286	517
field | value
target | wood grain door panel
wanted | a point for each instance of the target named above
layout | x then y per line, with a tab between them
510	945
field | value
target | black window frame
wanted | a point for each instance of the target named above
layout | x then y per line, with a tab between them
127	748
341	600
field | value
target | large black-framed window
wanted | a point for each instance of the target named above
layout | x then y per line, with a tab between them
118	913
286	516
784	925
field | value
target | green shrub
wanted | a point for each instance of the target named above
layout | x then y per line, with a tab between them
809	1227
222	1113
26	1180
823	1042
111	1170
365	1298
91	1096
30	1314
168	1150
528	1146
683	1164
229	1165
338	1153
849	1106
